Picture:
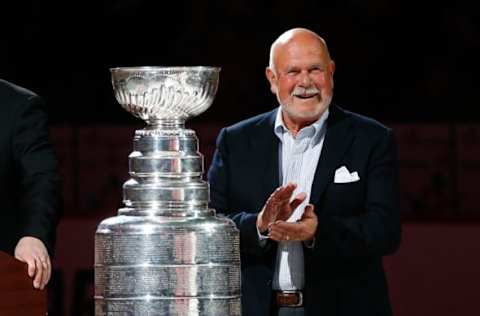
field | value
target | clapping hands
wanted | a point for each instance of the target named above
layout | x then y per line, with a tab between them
278	208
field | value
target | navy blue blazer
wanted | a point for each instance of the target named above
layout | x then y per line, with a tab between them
29	179
358	222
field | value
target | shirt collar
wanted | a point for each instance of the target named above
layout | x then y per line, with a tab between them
314	130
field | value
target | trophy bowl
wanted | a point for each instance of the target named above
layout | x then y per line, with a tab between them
165	93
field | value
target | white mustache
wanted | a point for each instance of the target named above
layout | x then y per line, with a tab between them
301	91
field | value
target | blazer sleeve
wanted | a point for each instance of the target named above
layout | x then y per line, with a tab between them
376	230
220	198
37	168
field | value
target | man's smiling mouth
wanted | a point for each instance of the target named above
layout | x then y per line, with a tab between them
306	96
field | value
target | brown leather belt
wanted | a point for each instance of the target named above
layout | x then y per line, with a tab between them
288	298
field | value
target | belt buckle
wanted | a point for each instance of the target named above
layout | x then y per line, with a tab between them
298	294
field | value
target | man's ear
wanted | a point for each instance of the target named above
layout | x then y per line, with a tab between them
272	79
332	71
332	68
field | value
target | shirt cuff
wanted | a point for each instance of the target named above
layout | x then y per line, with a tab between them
262	239
309	243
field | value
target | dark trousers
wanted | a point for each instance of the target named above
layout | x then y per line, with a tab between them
290	311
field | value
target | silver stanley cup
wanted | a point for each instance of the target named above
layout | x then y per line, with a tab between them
166	253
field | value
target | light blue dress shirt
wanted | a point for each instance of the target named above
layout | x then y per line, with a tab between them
298	158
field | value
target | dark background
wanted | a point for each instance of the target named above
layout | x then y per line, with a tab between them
401	61
408	64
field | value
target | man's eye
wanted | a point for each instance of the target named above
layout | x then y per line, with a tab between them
292	72
317	70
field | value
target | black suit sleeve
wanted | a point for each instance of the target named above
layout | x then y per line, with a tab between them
376	230
220	194
37	168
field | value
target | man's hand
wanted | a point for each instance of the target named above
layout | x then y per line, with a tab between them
303	230
32	251
278	206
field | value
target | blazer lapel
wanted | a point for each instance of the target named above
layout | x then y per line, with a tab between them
338	138
265	144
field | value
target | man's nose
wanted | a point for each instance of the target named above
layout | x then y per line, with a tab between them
305	79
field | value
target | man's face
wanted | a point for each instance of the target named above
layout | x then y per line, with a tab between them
302	78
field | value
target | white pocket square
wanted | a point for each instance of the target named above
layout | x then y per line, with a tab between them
342	175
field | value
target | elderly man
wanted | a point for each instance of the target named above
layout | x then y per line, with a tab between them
314	245
29	183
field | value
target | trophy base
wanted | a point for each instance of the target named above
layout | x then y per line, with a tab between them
172	307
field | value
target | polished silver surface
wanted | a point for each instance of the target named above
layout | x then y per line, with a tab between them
156	93
166	253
